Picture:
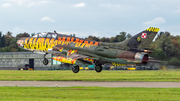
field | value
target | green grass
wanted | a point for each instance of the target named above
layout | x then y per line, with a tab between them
67	75
88	94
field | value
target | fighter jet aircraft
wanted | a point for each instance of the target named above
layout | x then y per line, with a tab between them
78	51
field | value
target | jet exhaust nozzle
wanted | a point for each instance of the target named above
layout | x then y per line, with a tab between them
142	57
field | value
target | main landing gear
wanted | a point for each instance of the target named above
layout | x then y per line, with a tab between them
98	67
45	61
75	69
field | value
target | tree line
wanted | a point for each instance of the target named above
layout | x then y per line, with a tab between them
8	42
165	47
118	38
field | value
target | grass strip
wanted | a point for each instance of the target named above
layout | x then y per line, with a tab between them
87	75
88	94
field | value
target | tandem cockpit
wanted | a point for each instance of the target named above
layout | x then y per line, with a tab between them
49	35
46	35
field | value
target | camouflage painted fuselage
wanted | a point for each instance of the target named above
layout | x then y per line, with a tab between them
90	48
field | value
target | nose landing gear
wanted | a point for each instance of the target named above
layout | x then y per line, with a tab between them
45	61
75	69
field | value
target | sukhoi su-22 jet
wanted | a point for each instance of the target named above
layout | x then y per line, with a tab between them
78	51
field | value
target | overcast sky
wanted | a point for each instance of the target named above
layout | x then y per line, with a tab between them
102	18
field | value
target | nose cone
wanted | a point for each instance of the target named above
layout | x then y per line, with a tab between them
20	43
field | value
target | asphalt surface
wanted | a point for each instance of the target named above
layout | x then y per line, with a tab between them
89	83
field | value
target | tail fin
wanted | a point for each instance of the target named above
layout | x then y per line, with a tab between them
143	39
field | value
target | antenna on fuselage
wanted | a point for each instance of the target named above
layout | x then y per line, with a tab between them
55	32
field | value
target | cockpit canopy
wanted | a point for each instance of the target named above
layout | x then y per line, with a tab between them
46	35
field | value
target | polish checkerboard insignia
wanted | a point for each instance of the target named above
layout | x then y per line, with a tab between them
144	35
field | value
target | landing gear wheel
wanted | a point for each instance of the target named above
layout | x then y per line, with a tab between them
75	69
98	68
45	61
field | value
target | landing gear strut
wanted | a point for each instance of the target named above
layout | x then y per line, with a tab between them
98	67
45	61
75	69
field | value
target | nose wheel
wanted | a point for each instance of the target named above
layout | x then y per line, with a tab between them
75	69
45	61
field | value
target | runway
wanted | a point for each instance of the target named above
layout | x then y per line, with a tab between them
90	83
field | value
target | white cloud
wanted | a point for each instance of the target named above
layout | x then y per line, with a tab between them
109	5
31	4
37	3
116	6
156	21
47	19
46	2
19	2
82	4
7	5
176	11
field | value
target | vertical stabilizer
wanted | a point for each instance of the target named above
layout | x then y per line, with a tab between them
143	39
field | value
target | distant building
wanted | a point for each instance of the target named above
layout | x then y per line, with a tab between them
12	60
